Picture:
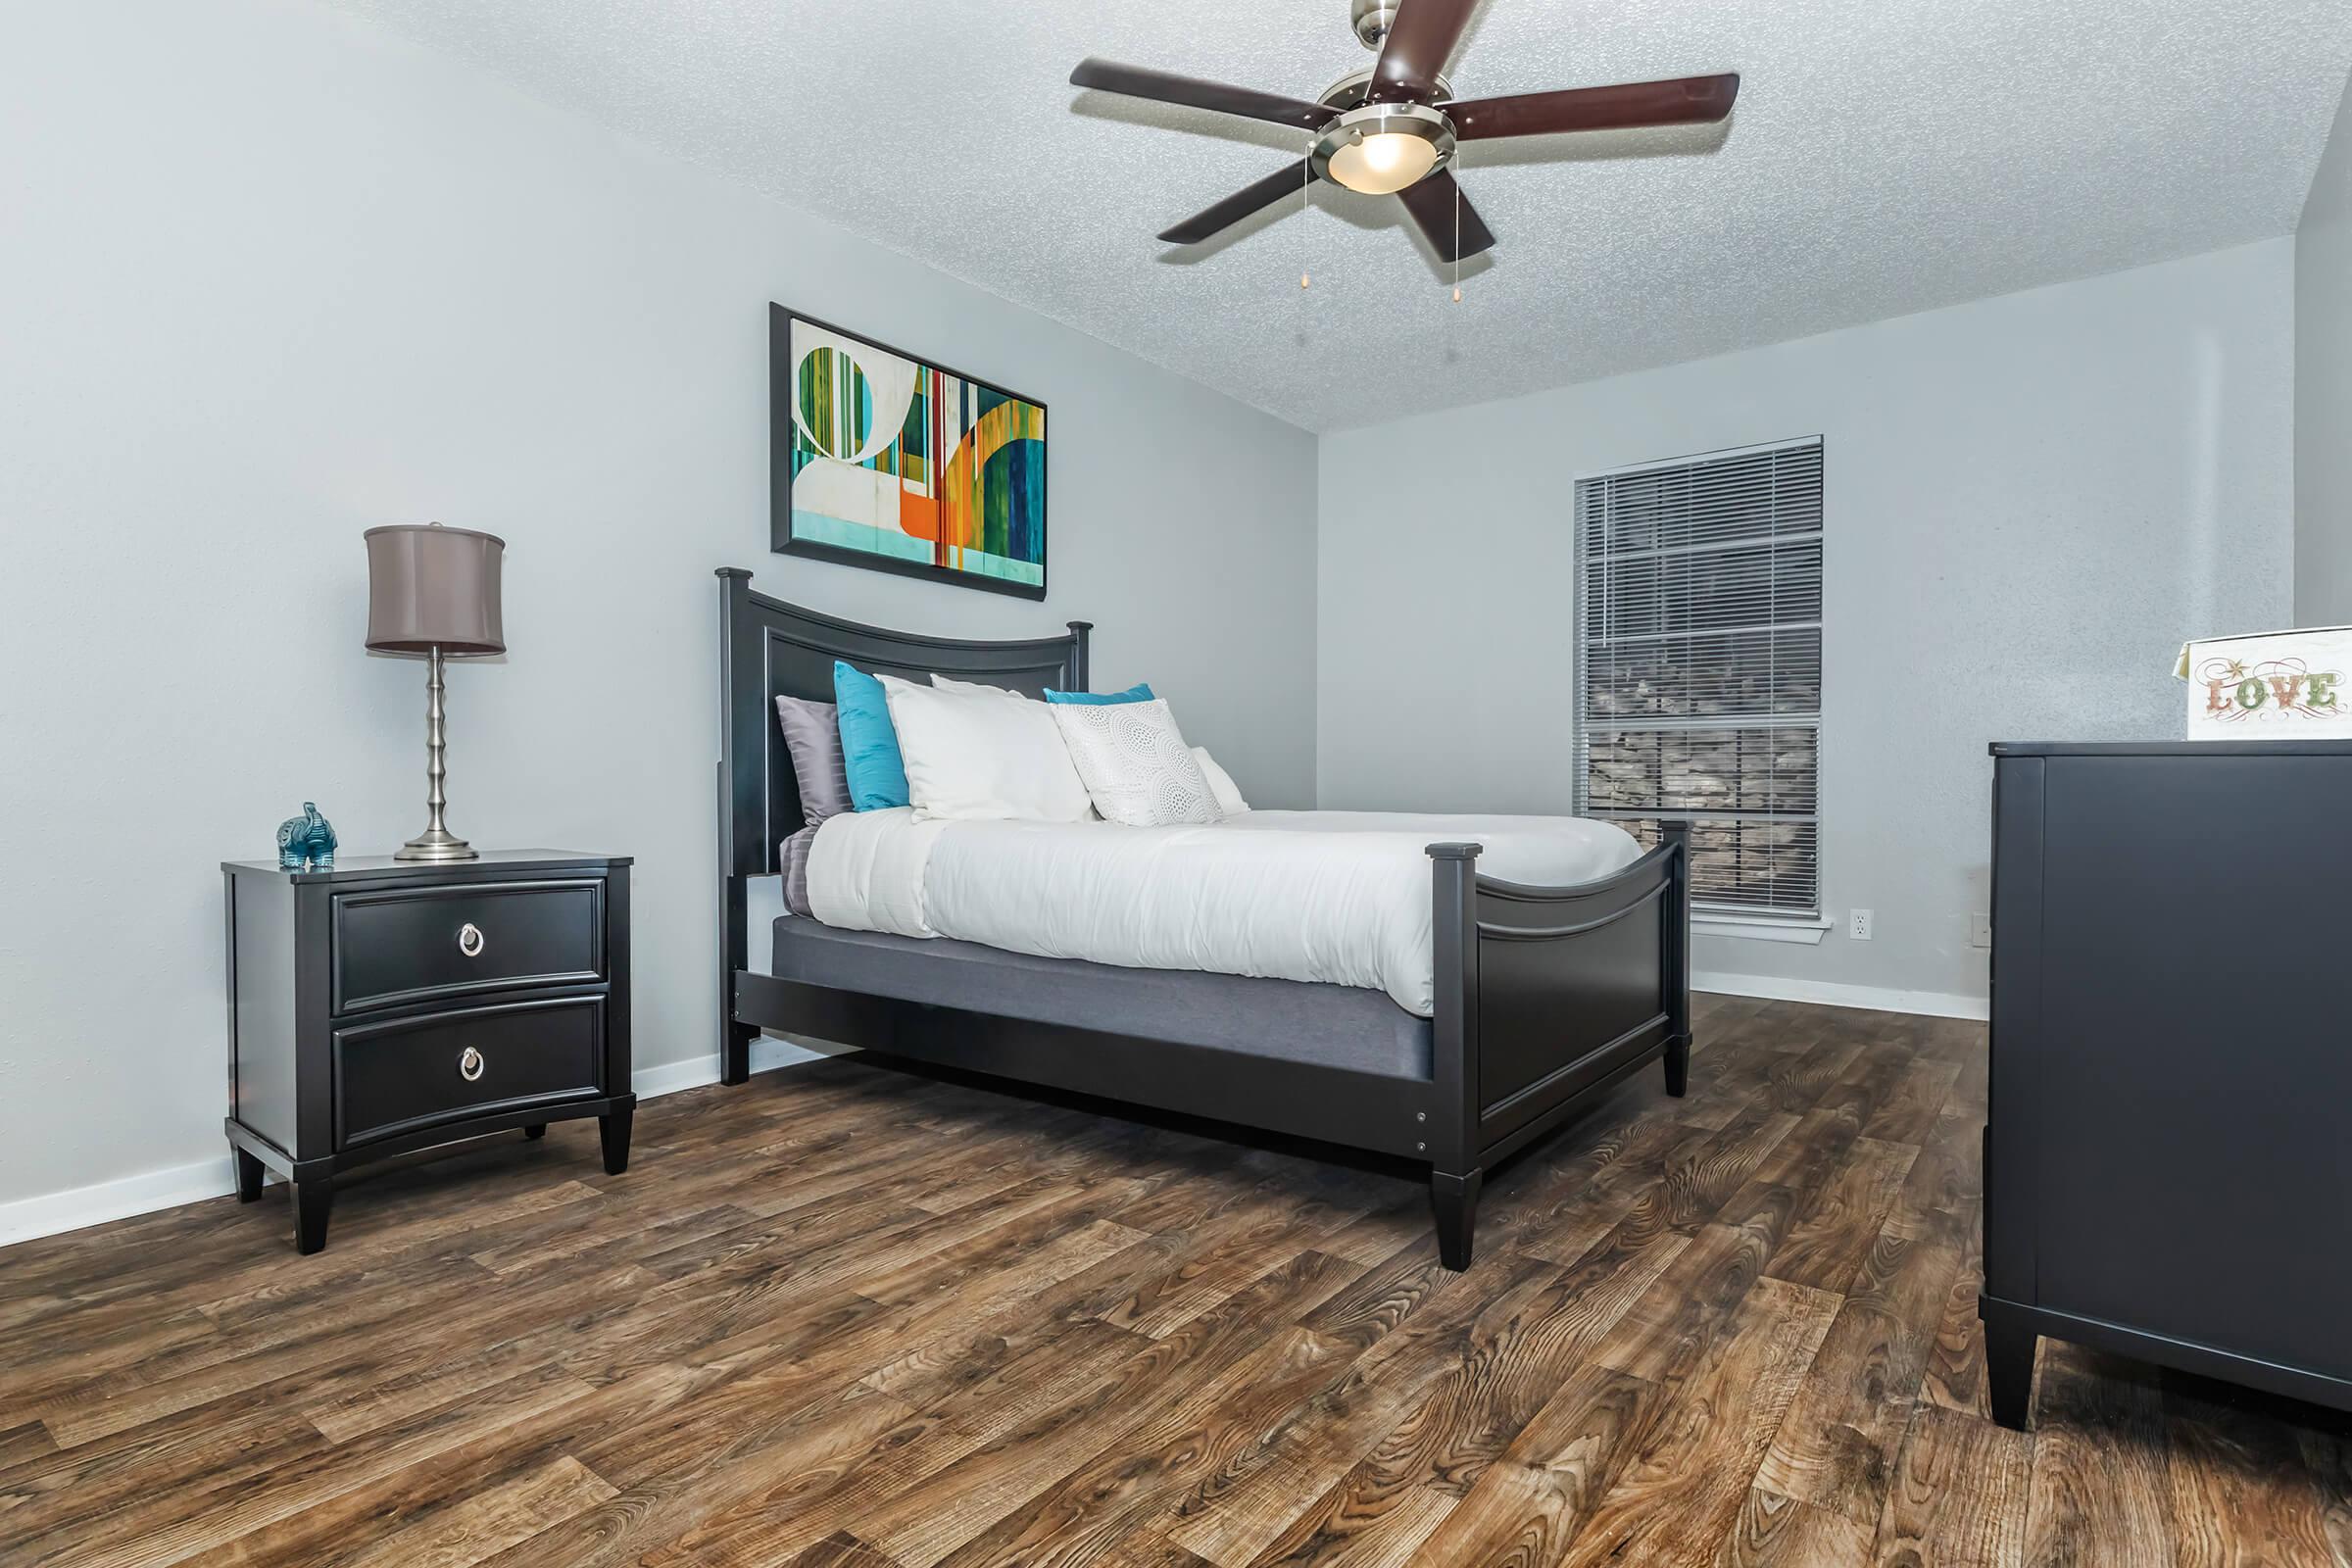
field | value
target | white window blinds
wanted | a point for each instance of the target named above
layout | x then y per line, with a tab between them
1698	666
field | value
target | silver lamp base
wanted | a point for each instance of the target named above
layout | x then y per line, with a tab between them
436	844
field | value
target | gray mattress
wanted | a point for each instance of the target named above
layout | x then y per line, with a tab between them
1332	1026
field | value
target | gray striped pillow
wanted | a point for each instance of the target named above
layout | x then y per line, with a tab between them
813	735
796	871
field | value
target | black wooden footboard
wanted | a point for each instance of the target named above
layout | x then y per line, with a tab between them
1544	998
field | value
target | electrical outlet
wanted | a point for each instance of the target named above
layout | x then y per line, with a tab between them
1979	930
1857	925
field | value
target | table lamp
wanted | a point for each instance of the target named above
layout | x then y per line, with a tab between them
434	591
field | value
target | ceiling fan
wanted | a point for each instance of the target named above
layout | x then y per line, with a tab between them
1391	129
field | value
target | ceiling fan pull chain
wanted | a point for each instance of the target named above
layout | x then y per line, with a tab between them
1457	237
1306	178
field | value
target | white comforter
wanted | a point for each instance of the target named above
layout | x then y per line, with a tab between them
1341	896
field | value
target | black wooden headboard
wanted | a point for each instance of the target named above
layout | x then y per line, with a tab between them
769	648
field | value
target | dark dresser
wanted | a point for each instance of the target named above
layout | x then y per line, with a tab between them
2167	1164
383	1007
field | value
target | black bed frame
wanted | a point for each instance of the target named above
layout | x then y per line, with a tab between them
1546	997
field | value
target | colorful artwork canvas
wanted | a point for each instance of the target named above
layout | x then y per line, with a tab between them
881	460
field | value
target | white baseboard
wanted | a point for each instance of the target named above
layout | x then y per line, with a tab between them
652	1083
768	1053
1877	998
54	1213
49	1214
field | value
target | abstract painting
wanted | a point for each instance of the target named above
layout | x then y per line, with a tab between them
880	460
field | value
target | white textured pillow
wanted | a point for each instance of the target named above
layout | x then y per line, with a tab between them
983	755
1135	763
1221	787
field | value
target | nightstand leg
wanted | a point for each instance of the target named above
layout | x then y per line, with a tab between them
248	1175
614	1127
535	1131
312	1200
2009	1348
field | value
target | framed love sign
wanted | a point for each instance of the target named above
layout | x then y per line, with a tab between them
2271	686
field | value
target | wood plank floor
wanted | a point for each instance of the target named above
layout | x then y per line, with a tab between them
850	1318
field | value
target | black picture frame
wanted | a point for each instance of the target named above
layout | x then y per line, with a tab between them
781	362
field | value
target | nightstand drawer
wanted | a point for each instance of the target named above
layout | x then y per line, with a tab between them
410	945
399	1077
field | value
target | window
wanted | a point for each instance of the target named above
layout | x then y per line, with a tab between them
1698	668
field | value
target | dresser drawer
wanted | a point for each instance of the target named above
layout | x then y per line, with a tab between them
404	1075
409	945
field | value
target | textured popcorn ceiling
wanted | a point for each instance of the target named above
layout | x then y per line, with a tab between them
1887	156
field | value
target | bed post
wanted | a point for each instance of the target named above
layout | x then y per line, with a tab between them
1676	960
738	659
1454	1172
1078	654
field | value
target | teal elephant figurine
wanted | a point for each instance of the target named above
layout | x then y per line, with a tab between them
305	843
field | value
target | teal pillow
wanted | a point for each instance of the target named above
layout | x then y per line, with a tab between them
870	743
1137	693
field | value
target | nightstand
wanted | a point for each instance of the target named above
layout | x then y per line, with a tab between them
384	1006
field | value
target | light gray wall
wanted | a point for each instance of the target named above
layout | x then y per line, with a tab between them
2032	500
271	276
2324	388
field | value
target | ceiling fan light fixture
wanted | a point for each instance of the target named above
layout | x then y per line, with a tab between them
1384	163
1384	148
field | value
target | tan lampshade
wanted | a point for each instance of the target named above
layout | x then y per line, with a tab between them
433	587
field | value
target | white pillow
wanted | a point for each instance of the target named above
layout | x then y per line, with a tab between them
1135	763
949	683
1221	786
983	755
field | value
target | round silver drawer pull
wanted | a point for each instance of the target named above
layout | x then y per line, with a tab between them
469	940
470	1064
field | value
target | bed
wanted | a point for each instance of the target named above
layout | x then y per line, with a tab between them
1542	998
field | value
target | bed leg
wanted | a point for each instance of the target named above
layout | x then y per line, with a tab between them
734	936
735	1054
1455	1199
1674	955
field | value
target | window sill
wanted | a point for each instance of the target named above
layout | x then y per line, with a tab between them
1756	928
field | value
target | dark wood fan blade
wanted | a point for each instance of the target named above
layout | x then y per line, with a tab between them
1684	101
1291	181
1163	87
1416	49
1432	204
